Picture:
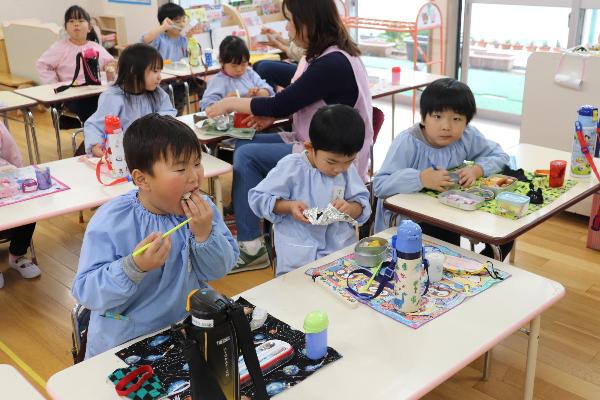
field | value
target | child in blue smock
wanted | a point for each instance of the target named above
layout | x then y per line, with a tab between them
135	93
234	75
320	175
166	37
421	156
131	296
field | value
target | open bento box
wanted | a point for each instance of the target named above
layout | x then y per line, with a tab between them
498	183
462	200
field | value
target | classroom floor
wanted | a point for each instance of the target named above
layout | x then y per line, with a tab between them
35	331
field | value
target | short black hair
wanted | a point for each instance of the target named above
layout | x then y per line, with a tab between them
156	137
338	129
77	12
131	71
169	10
233	50
448	94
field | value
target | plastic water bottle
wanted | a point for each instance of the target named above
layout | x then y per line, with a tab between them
587	120
315	327
193	52
114	151
409	267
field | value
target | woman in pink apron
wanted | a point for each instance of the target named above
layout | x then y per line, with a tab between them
331	73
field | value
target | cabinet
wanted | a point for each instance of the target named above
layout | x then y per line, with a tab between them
112	28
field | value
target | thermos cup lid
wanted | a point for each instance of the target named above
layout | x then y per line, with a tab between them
587	110
409	237
315	322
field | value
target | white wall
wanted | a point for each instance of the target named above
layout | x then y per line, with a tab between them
44	10
138	18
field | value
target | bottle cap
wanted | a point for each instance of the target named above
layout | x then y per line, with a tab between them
588	111
395	69
409	237
111	123
315	322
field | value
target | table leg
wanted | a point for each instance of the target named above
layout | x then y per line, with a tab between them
55	123
496	250
393	116
487	365
28	137
28	118
218	193
532	349
171	94
186	88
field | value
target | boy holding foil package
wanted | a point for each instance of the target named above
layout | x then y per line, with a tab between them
321	177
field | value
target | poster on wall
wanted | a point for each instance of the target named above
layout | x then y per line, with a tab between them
140	2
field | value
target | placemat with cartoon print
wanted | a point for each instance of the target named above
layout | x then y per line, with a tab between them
441	297
12	176
163	353
550	194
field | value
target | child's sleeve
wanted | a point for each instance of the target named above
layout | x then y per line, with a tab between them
166	107
217	255
396	175
9	151
93	128
101	282
105	57
215	91
357	191
46	65
485	153
276	186
259	82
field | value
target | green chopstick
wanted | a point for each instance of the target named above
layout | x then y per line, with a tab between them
368	285
164	235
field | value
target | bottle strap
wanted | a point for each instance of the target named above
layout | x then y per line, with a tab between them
246	345
114	182
588	156
78	60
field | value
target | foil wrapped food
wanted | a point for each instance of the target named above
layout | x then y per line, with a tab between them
327	215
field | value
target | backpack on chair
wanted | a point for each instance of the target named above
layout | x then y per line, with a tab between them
88	59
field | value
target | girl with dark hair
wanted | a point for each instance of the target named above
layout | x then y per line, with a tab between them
135	93
235	76
331	73
57	64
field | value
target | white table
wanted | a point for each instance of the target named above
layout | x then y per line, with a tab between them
86	192
45	95
409	80
489	228
14	386
376	350
12	101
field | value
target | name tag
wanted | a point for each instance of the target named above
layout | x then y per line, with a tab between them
338	192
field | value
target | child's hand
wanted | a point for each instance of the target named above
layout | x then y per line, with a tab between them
258	92
468	175
201	213
154	256
167	24
258	123
97	150
435	179
296	210
352	208
231	94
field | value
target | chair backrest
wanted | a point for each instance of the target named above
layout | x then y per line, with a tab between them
378	118
80	319
32	35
